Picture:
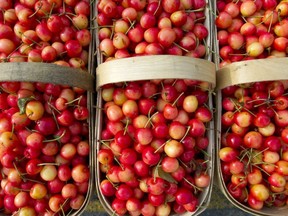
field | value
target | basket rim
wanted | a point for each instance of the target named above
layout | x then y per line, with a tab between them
155	67
252	71
47	73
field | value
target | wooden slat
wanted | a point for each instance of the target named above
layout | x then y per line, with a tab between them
155	67
47	73
252	71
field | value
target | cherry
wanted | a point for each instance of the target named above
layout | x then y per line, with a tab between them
124	192
156	200
183	196
149	156
156	186
107	188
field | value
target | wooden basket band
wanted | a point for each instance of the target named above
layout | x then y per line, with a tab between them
155	67
252	71
47	73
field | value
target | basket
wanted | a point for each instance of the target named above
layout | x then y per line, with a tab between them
239	73
154	68
66	76
61	75
208	23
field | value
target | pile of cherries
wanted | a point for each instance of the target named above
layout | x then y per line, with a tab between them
152	27
254	138
253	153
152	154
251	29
52	31
44	131
44	148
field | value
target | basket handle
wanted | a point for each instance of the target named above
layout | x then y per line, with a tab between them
155	67
252	71
47	73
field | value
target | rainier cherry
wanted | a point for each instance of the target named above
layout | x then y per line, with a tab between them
152	150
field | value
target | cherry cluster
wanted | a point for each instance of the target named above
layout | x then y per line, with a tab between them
152	154
52	31
251	29
254	138
139	27
44	148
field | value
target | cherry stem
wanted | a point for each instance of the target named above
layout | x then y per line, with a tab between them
48	164
194	186
150	118
22	176
132	24
108	140
279	193
207	89
64	7
237	54
118	162
126	126
258	153
158	6
105	144
72	21
5	90
20	189
186	133
36	11
206	154
70	14
56	138
243	156
236	105
75	100
195	10
51	10
55	119
260	168
35	42
155	173
32	180
54	108
177	99
270	24
162	145
12	131
114	185
200	18
185	50
18	171
185	165
61	207
62	53
69	213
238	185
17	48
104	26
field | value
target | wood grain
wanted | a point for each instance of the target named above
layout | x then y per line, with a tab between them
155	67
47	73
252	71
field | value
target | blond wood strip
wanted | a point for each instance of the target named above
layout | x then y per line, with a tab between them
252	71
48	73
155	67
